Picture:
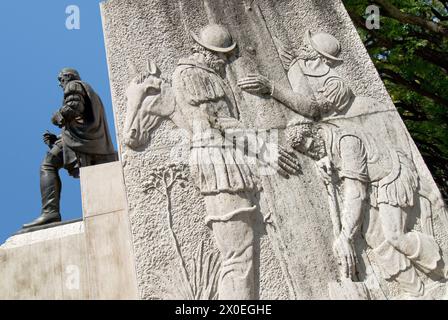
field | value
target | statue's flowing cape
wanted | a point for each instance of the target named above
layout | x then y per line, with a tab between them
92	136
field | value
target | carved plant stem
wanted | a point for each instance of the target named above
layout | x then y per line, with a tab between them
173	234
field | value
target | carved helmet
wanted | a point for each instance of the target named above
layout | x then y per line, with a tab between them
216	38
69	71
325	44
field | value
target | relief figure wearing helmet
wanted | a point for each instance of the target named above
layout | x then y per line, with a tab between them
317	90
225	181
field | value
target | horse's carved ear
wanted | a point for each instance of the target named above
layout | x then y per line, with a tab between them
152	68
132	70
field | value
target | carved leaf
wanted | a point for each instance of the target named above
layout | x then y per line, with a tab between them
204	282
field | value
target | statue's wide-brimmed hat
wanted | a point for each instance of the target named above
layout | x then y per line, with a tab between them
216	38
325	44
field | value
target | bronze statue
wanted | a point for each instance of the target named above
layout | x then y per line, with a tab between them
84	141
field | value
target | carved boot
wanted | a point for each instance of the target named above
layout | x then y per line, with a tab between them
397	266
427	255
411	284
50	187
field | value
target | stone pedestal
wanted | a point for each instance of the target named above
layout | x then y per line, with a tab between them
90	259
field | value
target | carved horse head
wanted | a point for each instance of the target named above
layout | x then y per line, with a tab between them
143	94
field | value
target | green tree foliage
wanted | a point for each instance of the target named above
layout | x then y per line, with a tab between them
410	52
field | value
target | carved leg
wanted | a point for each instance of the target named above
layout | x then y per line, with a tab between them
396	266
393	221
422	249
231	218
432	205
419	248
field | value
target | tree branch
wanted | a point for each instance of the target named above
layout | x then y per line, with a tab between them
398	79
433	150
396	14
433	56
417	113
433	38
439	15
445	3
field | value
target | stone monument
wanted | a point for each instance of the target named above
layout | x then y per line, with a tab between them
201	90
261	157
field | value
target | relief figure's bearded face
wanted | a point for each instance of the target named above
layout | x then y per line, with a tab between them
306	52
306	139
214	60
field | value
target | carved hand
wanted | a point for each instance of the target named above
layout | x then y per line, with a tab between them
285	164
256	84
343	250
288	162
325	168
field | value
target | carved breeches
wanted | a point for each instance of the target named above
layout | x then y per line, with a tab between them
217	169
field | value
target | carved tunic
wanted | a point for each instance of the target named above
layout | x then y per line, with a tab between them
356	155
202	97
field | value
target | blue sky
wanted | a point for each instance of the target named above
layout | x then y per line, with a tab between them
35	45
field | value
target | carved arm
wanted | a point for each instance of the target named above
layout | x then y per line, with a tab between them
299	103
353	173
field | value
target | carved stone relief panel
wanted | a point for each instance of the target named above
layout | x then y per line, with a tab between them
263	160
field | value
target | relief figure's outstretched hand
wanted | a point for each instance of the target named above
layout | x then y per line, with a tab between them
256	84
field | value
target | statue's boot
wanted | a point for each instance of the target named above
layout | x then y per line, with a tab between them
45	218
50	188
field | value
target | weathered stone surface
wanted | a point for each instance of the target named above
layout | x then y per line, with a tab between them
39	265
91	259
108	238
109	251
102	190
294	231
43	235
